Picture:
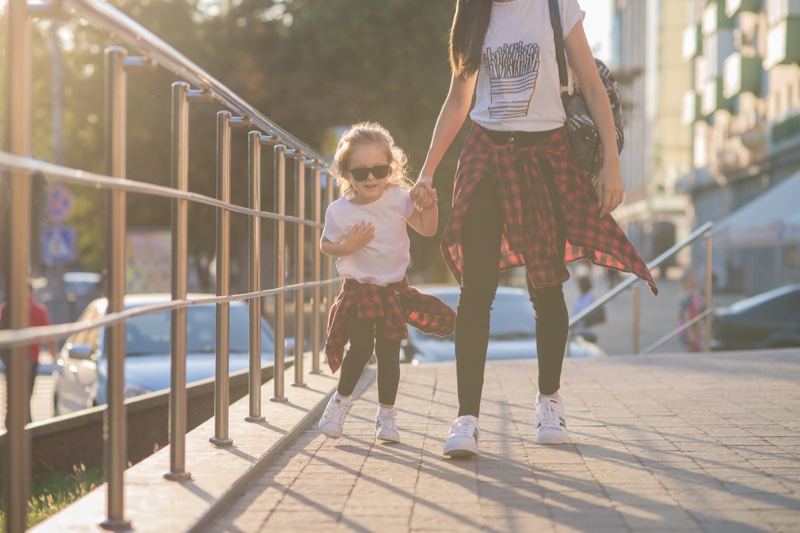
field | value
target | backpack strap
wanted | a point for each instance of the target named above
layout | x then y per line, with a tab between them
561	57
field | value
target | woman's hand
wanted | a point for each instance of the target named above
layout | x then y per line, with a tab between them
610	191
423	194
361	235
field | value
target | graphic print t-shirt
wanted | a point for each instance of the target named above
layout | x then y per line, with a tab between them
385	259
518	87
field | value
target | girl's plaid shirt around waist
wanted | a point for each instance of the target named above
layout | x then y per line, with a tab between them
529	235
398	303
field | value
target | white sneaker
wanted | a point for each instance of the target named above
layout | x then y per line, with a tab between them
463	441
386	425
332	420
548	420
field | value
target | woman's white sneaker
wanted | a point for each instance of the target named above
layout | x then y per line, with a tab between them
386	425
548	420
332	420
463	441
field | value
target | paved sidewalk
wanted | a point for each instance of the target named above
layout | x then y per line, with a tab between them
681	443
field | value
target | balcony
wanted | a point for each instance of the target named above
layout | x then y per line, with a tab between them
734	7
713	99
691	107
783	43
741	74
715	18
784	134
778	10
692	42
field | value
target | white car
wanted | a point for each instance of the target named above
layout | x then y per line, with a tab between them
81	367
512	331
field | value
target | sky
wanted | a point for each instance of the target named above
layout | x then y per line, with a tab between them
598	26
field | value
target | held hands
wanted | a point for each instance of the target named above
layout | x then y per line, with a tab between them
423	194
360	235
610	191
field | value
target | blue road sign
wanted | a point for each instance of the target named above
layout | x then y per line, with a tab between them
59	203
58	245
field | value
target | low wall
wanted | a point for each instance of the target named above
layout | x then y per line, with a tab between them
63	441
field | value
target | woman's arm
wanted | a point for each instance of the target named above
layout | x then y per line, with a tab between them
609	182
426	220
359	236
451	118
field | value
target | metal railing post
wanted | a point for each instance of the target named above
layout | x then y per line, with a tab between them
315	308
180	211
637	301
222	362
115	419
17	257
709	286
280	273
300	263
254	186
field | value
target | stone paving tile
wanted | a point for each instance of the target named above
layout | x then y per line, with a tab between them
663	443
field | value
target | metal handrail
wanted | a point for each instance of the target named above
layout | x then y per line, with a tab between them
159	51
24	336
677	331
613	293
100	181
20	167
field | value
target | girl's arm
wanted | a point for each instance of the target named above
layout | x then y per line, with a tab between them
451	118
361	234
425	220
609	182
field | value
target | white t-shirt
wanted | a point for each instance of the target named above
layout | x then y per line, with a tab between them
518	87
385	259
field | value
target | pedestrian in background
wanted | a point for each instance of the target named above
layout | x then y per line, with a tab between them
691	305
366	230
38	316
520	198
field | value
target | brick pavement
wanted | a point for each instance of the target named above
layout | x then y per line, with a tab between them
666	442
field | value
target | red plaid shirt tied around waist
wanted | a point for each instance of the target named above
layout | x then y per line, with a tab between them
529	235
397	302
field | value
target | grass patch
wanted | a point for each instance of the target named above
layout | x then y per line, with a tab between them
52	493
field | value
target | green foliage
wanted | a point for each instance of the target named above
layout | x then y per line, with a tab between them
52	493
307	65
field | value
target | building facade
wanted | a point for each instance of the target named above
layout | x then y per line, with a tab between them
744	113
653	79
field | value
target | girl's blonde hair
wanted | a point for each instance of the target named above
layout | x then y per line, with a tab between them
369	133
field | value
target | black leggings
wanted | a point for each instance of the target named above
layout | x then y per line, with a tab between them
480	246
366	336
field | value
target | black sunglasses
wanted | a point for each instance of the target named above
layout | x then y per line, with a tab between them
361	174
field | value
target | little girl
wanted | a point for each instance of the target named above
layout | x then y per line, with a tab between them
366	230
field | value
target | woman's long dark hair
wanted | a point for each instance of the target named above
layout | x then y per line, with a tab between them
470	24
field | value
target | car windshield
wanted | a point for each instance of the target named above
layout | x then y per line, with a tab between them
511	318
149	334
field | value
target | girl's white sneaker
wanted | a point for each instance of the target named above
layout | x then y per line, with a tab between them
386	425
548	420
332	421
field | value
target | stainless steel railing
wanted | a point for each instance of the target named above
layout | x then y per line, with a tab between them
197	85
704	231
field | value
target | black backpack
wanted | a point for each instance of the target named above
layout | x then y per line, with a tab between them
584	139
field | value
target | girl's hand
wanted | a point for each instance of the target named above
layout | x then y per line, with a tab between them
610	191
361	235
423	194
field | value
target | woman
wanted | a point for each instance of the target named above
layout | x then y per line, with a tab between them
519	198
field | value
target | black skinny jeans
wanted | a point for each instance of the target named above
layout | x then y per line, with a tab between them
366	336
480	246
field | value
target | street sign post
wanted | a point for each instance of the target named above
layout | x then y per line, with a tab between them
59	203
59	245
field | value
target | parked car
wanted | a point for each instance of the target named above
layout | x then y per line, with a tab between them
768	320
81	368
512	331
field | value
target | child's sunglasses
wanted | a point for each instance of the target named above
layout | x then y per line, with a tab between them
362	174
